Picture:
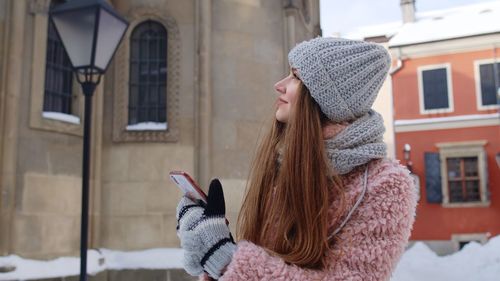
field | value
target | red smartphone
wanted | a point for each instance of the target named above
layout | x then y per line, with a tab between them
190	188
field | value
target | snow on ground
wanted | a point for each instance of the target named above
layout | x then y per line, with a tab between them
148	259
473	262
419	263
34	269
97	261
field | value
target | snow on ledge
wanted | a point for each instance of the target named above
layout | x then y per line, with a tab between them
61	117
147	126
97	261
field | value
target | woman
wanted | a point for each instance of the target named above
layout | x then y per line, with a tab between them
323	202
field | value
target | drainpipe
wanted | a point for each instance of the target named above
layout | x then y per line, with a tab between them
399	64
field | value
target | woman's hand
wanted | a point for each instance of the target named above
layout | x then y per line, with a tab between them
205	237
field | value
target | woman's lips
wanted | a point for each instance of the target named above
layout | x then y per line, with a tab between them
280	102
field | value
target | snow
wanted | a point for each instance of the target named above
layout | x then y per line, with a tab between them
457	22
148	259
473	262
32	269
387	29
147	126
451	23
61	117
97	261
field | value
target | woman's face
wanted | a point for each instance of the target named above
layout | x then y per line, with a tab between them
288	89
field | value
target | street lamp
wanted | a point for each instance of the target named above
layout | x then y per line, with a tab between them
90	31
407	157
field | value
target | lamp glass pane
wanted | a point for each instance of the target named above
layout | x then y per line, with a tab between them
76	29
110	32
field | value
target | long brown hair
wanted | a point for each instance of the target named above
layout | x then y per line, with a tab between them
285	209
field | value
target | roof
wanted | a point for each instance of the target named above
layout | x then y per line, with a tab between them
438	25
387	29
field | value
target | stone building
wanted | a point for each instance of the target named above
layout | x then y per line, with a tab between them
190	88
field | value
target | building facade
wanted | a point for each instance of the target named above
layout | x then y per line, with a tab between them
446	110
190	88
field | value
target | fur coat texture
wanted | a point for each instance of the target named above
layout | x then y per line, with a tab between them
370	244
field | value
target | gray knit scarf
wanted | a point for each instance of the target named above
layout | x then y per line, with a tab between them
360	142
357	144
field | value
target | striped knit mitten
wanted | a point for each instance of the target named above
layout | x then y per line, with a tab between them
205	237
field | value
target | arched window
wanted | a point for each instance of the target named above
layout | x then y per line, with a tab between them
58	73
148	74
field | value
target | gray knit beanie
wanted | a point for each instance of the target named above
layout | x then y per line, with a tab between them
343	76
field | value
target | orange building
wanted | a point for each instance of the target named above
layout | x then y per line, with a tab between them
445	83
445	86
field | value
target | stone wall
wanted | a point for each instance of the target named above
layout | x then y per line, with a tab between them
49	164
3	15
138	198
249	56
248	53
132	200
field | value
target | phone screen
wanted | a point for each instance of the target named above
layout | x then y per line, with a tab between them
188	186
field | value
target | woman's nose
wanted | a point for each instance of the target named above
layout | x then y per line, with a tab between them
280	86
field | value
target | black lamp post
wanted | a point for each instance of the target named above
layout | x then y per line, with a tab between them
90	31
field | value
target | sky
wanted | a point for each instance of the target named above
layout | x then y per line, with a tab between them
344	16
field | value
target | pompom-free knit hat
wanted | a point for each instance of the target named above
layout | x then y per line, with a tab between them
343	76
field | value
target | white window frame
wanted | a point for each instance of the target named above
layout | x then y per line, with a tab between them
481	238
477	79
421	69
465	149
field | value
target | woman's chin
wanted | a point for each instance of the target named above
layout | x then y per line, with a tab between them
281	118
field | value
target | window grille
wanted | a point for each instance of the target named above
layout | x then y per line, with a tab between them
463	179
148	74
58	74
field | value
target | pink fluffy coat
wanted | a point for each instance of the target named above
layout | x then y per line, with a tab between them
371	243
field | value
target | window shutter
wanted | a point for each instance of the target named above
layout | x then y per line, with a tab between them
433	177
